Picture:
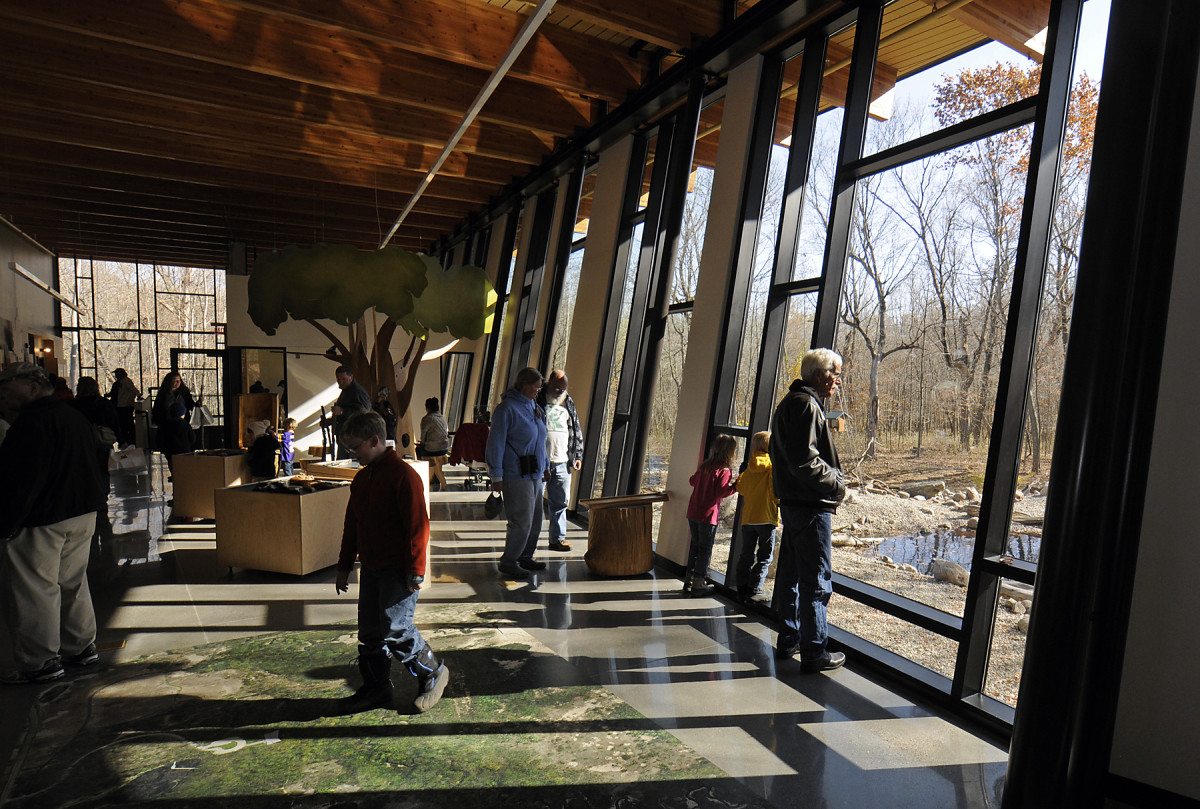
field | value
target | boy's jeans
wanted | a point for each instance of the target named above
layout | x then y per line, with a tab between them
385	615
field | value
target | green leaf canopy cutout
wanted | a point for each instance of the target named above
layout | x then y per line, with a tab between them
340	282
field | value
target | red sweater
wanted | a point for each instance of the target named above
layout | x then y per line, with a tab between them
387	525
709	488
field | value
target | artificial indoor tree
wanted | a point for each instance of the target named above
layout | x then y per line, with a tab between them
344	284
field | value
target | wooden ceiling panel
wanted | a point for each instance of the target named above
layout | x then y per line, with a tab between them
162	130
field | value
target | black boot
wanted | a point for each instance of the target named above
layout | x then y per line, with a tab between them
431	675
376	690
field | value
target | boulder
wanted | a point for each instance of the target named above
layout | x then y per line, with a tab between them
844	541
903	495
1023	624
945	570
1016	590
926	488
973	494
1016	607
973	523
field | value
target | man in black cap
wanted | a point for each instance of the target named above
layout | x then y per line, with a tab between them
52	484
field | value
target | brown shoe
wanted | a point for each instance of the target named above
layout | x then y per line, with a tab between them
559	545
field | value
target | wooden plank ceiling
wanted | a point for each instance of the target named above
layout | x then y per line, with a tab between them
163	130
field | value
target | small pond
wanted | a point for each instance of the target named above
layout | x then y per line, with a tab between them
920	550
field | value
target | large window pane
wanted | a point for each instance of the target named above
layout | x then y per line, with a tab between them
918	91
566	309
797	338
1007	653
610	402
923	316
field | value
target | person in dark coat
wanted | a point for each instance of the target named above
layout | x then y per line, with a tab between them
124	395
50	476
809	484
173	407
352	399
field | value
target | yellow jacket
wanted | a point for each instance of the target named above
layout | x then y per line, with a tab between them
760	507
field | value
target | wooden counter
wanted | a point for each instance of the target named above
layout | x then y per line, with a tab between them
197	475
621	534
284	533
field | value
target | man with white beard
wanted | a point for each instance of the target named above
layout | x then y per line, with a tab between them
564	452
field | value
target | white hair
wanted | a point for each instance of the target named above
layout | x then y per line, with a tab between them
818	361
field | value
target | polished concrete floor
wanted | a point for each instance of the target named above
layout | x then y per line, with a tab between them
697	668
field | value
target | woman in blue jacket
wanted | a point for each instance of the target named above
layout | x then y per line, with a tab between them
516	459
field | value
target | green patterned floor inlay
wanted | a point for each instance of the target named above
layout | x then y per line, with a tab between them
254	721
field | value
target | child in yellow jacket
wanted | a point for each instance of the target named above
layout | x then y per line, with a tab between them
760	516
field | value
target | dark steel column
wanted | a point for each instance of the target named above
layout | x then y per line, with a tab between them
1020	337
854	132
503	270
1062	737
570	186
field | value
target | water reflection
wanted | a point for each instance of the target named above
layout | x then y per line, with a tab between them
920	550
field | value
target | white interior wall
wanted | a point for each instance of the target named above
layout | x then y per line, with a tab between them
24	308
716	268
1157	733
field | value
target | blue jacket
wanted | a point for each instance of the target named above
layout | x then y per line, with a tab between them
518	428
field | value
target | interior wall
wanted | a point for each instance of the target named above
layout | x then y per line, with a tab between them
712	286
24	308
1157	733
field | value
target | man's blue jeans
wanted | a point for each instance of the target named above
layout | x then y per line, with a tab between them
385	615
557	489
523	505
804	580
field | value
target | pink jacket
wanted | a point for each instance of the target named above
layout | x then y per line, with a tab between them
709	488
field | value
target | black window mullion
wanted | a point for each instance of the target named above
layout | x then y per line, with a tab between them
854	130
741	277
804	124
535	270
571	187
503	270
615	475
1016	364
612	313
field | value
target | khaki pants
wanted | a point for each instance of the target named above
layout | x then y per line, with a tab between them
50	611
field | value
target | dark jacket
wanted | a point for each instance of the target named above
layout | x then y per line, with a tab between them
352	399
575	436
387	524
49	470
803	458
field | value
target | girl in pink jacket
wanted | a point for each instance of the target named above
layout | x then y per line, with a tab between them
711	483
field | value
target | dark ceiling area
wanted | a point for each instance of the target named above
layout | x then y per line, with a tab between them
164	130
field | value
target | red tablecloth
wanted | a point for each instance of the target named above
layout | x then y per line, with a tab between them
470	443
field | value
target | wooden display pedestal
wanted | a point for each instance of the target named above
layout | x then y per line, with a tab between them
197	475
620	534
346	470
283	533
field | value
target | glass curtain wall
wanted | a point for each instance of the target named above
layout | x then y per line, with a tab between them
908	261
135	315
570	282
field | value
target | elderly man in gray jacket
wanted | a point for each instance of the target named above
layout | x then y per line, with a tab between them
809	485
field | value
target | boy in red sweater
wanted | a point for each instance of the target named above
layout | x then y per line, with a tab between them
387	530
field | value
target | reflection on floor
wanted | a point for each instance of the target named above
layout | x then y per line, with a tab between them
567	690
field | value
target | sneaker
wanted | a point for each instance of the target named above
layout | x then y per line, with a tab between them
531	564
831	661
53	670
431	688
87	657
513	571
559	545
